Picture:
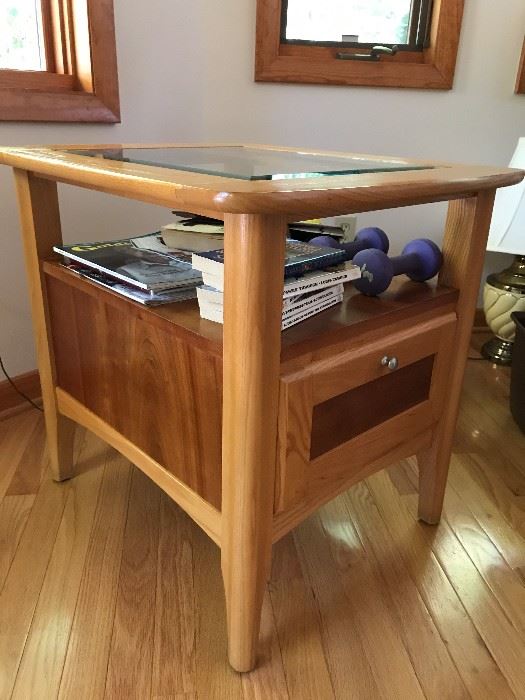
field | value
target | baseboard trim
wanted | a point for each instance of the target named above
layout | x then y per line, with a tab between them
28	383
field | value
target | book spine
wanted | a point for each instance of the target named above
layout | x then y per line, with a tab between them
215	281
299	268
328	279
216	314
301	286
311	301
209	298
310	312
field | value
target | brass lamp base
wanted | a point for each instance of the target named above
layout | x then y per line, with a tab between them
504	293
498	350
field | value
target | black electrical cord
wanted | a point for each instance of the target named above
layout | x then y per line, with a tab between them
21	393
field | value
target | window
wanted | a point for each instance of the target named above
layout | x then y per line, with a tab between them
357	23
520	79
332	42
21	35
58	61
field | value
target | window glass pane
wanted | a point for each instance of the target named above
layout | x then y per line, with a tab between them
364	21
21	40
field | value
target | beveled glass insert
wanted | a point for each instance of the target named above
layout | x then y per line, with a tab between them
249	163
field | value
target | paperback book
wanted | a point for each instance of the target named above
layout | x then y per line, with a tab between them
192	237
198	234
309	282
214	312
213	299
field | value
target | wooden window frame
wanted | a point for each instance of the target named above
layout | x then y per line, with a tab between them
432	68
520	80
81	83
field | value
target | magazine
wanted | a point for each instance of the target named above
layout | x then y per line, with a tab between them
143	297
133	261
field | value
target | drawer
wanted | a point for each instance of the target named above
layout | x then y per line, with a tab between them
350	410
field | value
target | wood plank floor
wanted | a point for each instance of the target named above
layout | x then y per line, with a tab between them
108	590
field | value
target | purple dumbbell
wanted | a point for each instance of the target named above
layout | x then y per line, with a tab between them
371	237
421	259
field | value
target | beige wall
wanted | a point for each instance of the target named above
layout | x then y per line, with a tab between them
186	74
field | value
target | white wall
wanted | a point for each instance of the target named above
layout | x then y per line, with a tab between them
186	74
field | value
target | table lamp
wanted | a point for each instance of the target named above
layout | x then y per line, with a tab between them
504	292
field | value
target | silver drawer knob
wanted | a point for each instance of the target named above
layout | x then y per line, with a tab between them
390	362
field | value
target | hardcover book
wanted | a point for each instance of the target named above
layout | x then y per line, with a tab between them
300	258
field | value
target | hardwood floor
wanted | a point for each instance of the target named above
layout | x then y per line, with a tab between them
107	589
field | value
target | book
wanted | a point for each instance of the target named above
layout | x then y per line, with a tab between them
208	297
198	234
308	282
193	237
127	290
134	262
300	258
214	312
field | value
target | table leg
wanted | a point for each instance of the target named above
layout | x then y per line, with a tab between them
464	247
40	219
254	263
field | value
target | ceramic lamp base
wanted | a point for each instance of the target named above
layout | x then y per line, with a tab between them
504	293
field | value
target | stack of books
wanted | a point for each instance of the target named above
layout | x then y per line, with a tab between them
314	279
186	260
142	268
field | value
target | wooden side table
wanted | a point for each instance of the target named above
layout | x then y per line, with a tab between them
250	430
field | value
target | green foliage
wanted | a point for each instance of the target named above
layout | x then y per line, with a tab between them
20	35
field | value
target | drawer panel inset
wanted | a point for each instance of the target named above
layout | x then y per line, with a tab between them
351	413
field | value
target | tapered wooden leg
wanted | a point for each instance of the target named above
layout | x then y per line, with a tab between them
464	246
254	262
40	219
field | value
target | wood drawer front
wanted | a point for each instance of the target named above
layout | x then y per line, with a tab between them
338	415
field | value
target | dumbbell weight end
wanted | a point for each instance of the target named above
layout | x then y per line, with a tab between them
371	237
421	259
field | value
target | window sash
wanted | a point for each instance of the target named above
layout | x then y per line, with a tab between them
418	31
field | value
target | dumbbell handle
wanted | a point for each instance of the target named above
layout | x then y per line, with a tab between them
372	237
351	249
406	264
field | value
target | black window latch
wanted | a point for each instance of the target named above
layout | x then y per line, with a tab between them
375	54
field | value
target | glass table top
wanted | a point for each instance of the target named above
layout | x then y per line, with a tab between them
246	163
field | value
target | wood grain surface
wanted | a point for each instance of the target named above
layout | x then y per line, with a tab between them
295	198
115	362
251	368
359	575
41	230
